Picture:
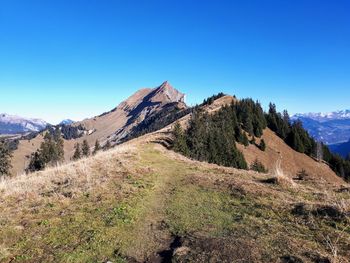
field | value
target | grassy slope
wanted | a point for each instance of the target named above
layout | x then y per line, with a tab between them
140	202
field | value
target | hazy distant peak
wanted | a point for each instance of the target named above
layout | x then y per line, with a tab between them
324	116
11	124
66	122
330	127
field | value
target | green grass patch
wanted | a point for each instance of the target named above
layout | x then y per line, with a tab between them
195	209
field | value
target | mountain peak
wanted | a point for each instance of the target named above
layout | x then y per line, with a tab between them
66	122
167	93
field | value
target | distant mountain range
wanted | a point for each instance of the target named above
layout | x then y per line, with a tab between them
342	148
330	128
12	124
324	117
144	111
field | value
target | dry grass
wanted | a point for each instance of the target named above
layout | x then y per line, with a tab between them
80	175
128	203
281	177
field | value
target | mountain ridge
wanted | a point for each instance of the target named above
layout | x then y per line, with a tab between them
330	128
320	116
112	126
14	124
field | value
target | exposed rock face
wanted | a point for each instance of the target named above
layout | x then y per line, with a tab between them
138	109
166	93
141	105
114	125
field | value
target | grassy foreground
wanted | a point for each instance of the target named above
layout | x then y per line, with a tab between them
144	203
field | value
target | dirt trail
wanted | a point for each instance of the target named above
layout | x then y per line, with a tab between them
147	204
168	176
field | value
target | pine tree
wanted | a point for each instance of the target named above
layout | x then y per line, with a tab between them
5	160
50	152
59	144
179	144
36	163
258	167
262	145
347	158
77	152
295	141
245	140
85	148
97	147
286	117
253	141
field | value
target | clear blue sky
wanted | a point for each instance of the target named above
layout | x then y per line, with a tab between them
75	59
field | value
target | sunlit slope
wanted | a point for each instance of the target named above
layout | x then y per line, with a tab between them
140	202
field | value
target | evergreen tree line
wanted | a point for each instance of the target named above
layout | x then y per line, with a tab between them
294	134
50	152
5	159
213	137
72	132
210	100
84	149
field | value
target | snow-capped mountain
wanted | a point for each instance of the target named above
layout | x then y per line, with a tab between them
66	122
331	127
12	124
322	117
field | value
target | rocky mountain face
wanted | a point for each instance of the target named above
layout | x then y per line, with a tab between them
145	103
331	128
12	124
113	126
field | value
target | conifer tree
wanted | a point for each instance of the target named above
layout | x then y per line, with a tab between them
50	152
295	141
5	160
347	158
97	147
253	141
258	167
85	148
245	139
77	152
262	145
179	144
36	162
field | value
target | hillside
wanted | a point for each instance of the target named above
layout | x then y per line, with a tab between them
140	202
112	126
277	152
145	105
